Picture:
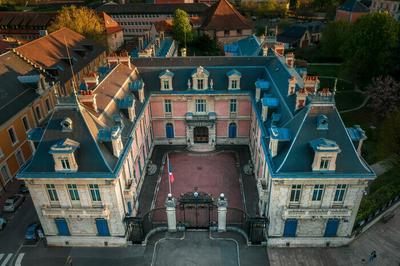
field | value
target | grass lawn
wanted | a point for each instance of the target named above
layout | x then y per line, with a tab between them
348	99
341	85
384	188
325	70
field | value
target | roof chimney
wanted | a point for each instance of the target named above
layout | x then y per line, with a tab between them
290	59
88	99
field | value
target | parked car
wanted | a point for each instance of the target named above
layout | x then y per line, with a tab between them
13	203
3	223
31	233
23	188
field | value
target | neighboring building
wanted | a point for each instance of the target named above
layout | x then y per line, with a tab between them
392	7
114	33
87	173
351	10
27	99
25	25
137	18
55	52
223	22
296	36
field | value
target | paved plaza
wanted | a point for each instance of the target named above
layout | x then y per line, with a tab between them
384	238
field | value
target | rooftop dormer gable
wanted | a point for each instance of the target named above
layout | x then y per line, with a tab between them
166	80
277	135
325	154
261	85
234	79
63	153
200	78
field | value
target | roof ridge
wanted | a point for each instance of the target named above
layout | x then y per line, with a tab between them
294	140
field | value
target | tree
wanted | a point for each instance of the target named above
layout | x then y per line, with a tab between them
181	27
80	19
385	95
389	137
370	45
333	37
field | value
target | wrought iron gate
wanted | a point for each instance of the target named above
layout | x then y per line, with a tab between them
196	210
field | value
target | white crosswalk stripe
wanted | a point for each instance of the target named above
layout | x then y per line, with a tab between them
1	256
19	259
7	259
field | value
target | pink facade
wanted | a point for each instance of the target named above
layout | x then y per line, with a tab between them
244	108
180	128
222	108
179	108
243	128
158	128
222	129
157	108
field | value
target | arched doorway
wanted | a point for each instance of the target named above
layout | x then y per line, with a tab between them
200	135
232	130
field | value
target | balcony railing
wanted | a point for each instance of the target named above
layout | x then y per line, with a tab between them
309	213
76	212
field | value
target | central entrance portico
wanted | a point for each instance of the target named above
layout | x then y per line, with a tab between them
201	131
200	135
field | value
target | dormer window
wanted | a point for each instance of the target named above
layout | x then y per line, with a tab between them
166	80
325	154
200	78
66	125
63	155
322	122
234	79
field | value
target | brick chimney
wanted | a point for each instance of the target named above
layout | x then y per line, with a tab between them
292	85
290	60
88	99
301	97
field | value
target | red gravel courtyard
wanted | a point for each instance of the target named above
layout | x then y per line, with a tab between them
211	173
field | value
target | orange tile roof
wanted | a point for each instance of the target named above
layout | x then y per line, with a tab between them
223	16
110	25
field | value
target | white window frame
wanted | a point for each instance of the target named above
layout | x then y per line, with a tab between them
343	190
52	192
201	106
200	81
320	188
15	135
234	84
165	83
92	189
65	163
325	163
297	191
233	103
74	189
27	121
168	105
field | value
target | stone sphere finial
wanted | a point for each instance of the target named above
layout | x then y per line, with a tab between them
222	195
169	195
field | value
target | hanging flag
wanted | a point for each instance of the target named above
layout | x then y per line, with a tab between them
170	174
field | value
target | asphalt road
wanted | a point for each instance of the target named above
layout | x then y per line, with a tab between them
12	237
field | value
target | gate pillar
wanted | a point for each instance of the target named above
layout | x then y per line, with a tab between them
170	205
222	209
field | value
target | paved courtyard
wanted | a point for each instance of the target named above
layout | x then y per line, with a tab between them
212	173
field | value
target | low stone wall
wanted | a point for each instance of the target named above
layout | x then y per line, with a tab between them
86	241
308	241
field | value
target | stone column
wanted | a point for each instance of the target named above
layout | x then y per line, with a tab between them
170	204
222	209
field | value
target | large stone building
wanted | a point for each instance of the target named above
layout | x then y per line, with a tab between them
137	18
391	7
89	168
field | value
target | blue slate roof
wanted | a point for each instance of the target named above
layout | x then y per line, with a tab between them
166	73
262	84
354	6
249	46
270	102
234	72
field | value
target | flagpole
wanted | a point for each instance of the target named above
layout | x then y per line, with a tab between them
169	178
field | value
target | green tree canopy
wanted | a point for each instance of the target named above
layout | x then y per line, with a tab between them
369	48
181	27
333	37
389	137
80	19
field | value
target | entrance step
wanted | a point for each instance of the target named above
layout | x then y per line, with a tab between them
201	148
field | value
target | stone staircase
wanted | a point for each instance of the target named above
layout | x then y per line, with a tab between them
201	148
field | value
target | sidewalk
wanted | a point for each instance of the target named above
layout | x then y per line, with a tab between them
11	188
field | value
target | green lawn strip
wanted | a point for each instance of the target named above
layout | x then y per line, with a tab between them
383	189
348	99
325	70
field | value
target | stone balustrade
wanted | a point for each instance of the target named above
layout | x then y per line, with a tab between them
76	212
311	213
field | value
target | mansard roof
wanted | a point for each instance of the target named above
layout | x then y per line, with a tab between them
88	157
354	6
297	155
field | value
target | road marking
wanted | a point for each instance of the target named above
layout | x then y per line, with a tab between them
1	256
19	259
7	259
